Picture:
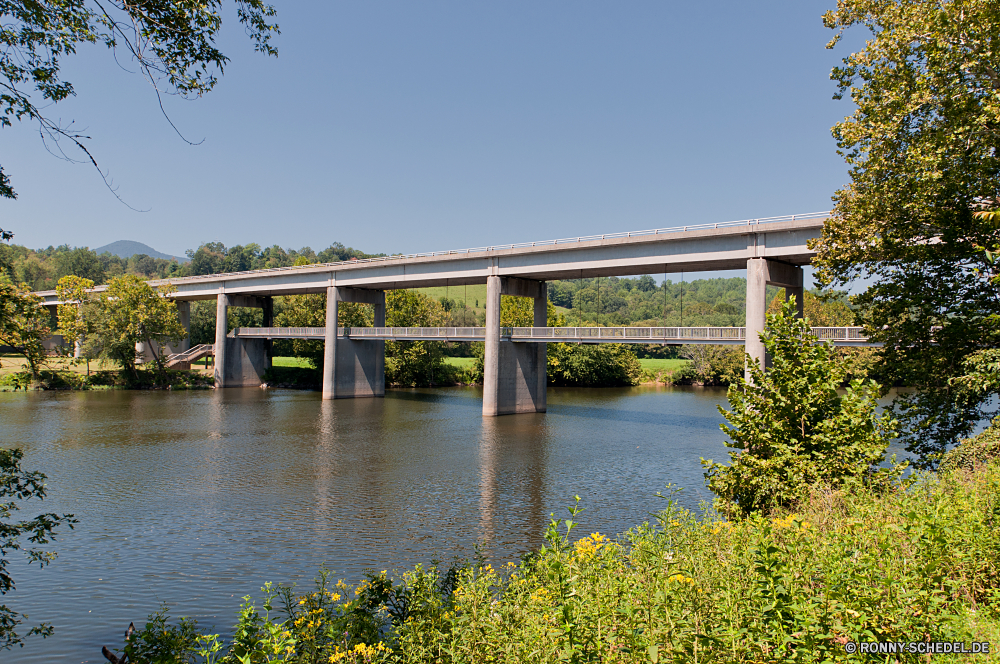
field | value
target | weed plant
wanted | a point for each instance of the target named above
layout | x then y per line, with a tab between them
917	561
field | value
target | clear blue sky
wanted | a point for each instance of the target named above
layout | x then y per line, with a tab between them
412	126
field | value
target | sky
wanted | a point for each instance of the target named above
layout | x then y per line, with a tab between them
420	126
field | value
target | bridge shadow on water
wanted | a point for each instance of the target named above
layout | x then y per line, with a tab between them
465	397
631	416
472	398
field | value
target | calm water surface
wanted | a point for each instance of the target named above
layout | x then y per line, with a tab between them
196	499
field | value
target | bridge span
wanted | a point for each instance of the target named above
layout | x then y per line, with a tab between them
772	251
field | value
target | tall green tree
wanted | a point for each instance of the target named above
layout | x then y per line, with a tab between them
173	44
922	146
24	322
413	363
131	311
73	296
791	428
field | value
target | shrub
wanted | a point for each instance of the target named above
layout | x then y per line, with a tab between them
915	564
976	451
790	427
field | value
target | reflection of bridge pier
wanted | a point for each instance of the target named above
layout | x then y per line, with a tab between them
512	469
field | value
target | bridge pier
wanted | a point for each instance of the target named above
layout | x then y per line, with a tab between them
762	273
514	374
353	367
239	362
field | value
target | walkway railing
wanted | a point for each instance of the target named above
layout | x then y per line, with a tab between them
841	336
190	355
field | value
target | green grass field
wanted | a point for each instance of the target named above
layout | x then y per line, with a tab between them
460	362
475	293
290	362
658	364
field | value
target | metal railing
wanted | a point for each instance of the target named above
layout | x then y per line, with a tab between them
191	354
691	335
523	245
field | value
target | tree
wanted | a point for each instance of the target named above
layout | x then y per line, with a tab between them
17	486
173	44
922	146
24	322
75	315
412	363
130	311
791	427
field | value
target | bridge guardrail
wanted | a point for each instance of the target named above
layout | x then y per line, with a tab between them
718	335
539	243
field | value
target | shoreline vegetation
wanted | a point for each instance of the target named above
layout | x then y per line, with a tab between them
812	547
287	372
911	561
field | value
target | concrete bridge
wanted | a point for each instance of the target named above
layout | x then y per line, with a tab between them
772	251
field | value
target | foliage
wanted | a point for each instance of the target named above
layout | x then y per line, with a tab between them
616	301
790	427
131	311
173	45
16	486
24	322
913	564
409	363
413	363
715	365
921	146
974	452
593	365
74	323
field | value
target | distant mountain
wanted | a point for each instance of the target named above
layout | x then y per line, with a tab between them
127	248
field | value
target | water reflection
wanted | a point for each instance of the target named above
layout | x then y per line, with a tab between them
198	498
512	452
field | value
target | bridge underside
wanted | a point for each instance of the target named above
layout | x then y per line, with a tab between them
515	358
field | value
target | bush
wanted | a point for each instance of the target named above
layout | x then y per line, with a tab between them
976	451
715	365
593	365
790	427
915	564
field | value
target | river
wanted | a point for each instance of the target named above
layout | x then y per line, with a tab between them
195	499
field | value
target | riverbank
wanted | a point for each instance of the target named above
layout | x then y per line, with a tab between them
893	563
63	373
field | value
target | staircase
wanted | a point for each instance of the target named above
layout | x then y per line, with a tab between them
191	355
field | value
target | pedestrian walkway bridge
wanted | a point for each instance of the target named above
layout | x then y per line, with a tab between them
839	336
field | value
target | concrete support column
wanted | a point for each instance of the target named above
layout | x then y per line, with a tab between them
542	320
184	313
762	273
221	326
267	305
756	306
330	345
491	359
799	293
77	345
379	321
